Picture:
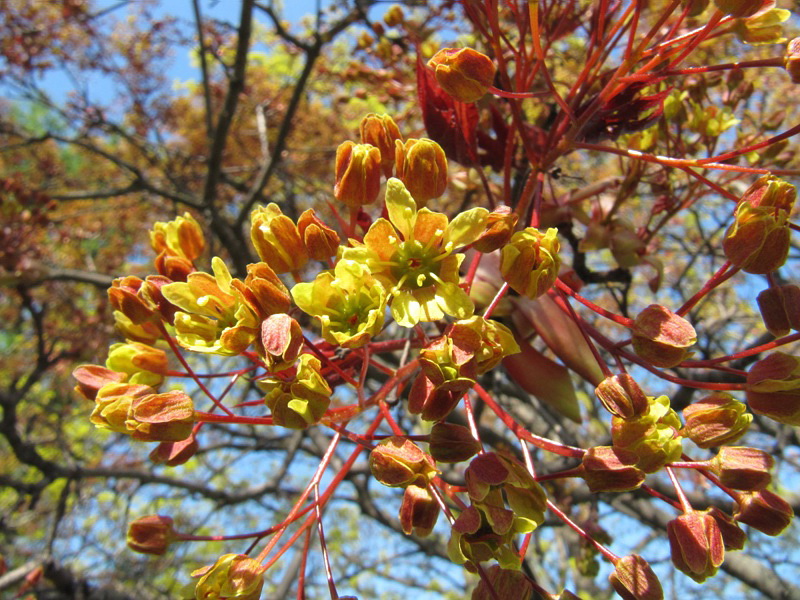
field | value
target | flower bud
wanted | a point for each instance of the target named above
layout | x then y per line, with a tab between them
733	537
530	261
382	132
759	239
143	364
418	511
764	511
112	404
152	295
300	401
791	60
633	579
181	237
276	239
740	8
394	16
451	443
653	437
321	241
174	454
505	584
399	462
91	378
167	417
661	337
358	174
232	577
422	166
715	420
780	309
609	469
499	228
123	296
773	388
280	342
464	73
263	290
743	468
174	268
622	396
151	535
696	544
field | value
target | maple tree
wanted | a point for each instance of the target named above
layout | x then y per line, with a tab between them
363	313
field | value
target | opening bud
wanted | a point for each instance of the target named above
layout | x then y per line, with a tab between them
151	535
321	241
622	396
276	239
499	229
280	342
464	73
716	420
181	237
764	511
696	545
609	469
399	462
743	468
661	337
780	308
422	166
633	579
358	174
529	262
232	577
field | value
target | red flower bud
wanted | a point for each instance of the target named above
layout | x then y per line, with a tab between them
732	535
743	468
167	417
715	420
773	388
765	511
398	462
499	229
320	241
622	396
174	454
661	337
151	535
696	545
451	443
358	174
419	511
464	73
505	584
633	579
609	469
780	308
91	378
280	342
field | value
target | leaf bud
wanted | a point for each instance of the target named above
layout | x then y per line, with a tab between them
742	468
763	510
464	73
715	420
276	239
633	579
358	174
232	577
741	8
499	229
418	511
791	60
321	241
382	132
174	454
609	469
451	443
399	462
758	240
661	337
733	537
422	166
503	584
91	378
167	417
280	342
622	396
780	308
529	263
773	388
151	534
696	545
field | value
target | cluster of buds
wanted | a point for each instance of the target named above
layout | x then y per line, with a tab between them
506	501
399	462
759	239
661	337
